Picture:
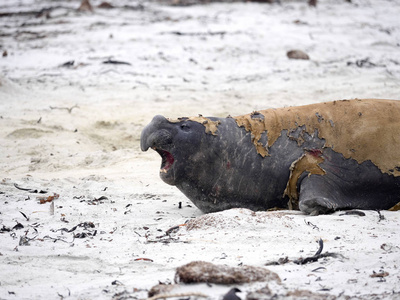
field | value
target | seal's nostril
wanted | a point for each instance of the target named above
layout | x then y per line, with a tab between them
155	139
163	137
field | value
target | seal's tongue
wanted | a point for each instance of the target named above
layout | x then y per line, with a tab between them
167	160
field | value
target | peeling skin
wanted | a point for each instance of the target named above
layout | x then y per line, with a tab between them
359	129
211	127
395	208
306	163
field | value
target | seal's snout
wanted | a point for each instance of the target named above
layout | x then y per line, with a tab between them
154	135
144	146
158	135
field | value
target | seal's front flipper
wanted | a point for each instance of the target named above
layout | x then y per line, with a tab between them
316	206
318	196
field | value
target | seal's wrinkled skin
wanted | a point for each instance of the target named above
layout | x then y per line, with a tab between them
317	158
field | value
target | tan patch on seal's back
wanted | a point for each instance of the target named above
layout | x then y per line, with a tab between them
395	208
360	129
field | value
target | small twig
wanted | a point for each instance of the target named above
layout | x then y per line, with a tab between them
117	282
321	246
18	226
66	108
144	259
364	63
167	241
302	261
85	226
380	274
174	229
68	64
381	217
142	83
168	233
57	239
319	268
29	190
35	13
43	200
5	229
24	240
161	296
24	216
221	33
315	257
116	62
311	224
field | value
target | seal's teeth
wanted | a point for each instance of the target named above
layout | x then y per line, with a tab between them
163	171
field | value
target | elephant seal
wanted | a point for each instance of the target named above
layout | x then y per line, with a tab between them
317	158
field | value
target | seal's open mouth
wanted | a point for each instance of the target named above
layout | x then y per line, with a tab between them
167	160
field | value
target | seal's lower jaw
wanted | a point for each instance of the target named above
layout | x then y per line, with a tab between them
166	170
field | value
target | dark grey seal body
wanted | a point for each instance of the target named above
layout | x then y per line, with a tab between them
317	158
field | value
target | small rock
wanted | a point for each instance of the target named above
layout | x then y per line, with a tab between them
105	5
85	6
297	54
312	3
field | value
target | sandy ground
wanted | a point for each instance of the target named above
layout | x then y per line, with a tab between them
70	125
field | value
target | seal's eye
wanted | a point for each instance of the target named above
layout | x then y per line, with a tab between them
185	127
